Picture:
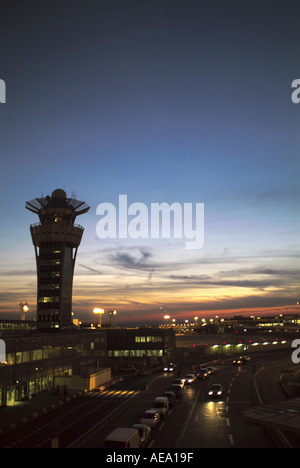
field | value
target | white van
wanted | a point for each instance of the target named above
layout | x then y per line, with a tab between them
123	437
161	405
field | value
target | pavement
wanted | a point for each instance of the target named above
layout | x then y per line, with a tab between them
23	411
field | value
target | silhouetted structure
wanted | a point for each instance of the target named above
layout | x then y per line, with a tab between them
56	239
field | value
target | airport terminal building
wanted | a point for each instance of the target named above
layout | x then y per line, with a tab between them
36	361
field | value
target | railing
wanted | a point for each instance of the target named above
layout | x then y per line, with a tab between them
56	224
101	424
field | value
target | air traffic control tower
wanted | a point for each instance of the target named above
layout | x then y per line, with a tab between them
56	239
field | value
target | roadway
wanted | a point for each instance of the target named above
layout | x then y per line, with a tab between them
195	421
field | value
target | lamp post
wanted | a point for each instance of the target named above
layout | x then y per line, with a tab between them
100	312
167	317
23	309
112	314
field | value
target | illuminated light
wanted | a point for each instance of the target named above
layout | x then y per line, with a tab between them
255	344
283	342
274	342
266	343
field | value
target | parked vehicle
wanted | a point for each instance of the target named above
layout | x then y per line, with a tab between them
128	368
177	389
150	417
161	405
171	397
144	433
122	437
178	382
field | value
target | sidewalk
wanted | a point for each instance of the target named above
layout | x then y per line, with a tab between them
24	411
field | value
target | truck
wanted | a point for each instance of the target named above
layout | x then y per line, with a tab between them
122	437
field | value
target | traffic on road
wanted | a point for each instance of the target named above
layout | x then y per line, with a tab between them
187	407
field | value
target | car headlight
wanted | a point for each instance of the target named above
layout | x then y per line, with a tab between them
210	393
165	368
219	393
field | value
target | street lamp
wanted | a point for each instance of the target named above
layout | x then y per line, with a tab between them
100	312
167	317
23	309
112	314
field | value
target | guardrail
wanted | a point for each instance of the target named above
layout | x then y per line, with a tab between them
101	424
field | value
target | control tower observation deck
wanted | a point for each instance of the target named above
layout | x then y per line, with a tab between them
56	239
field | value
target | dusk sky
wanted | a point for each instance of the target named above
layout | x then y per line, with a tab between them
162	101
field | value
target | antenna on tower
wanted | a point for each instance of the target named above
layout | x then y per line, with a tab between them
73	195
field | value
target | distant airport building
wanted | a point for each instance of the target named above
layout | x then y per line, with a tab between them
56	239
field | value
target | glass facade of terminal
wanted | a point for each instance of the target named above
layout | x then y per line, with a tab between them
134	345
32	362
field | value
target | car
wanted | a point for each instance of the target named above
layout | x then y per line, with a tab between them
171	367
202	374
144	433
190	379
171	397
178	382
161	405
216	390
241	360
177	389
150	417
211	370
127	368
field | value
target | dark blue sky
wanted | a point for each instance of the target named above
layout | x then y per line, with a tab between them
164	101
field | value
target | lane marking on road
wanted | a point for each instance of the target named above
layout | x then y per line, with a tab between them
231	439
184	428
161	426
